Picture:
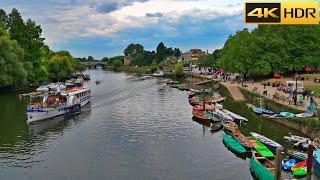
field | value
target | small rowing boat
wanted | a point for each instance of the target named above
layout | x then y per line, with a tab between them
261	167
260	148
261	111
215	126
245	142
223	115
298	155
298	141
232	144
307	114
301	164
201	115
300	172
287	165
268	142
230	126
235	116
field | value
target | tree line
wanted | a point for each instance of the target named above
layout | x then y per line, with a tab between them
141	57
271	48
24	58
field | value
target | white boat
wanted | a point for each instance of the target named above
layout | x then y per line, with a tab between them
56	104
235	116
268	142
224	115
158	74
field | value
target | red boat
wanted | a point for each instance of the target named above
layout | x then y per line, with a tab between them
201	115
301	164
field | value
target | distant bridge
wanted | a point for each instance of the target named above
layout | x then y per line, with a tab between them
94	64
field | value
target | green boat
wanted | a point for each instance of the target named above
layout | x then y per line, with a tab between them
260	148
233	144
183	88
300	172
261	167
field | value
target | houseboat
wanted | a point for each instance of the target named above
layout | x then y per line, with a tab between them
56	103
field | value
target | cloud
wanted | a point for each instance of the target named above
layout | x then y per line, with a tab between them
101	26
157	14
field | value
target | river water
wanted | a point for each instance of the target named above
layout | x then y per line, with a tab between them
135	128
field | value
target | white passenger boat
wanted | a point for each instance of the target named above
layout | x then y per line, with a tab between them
57	104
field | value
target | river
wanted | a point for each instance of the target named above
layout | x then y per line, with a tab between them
134	128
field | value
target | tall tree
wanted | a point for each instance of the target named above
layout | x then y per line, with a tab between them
161	52
176	52
133	49
90	58
12	67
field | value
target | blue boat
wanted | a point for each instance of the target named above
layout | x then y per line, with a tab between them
261	111
287	165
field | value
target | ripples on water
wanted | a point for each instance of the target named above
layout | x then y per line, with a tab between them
136	129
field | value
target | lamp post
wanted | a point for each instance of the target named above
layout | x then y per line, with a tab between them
296	94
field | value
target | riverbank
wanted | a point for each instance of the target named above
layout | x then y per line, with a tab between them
308	126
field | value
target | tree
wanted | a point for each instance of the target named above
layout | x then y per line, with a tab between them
105	59
161	52
3	19
12	67
178	69
207	60
143	59
61	65
90	58
176	52
133	49
115	62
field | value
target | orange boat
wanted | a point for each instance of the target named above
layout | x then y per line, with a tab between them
245	142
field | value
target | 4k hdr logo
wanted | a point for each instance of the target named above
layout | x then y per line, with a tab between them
282	13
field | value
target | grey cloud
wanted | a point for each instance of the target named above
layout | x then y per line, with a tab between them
154	14
113	5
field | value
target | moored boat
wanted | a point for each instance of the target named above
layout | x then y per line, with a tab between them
223	115
261	111
215	126
201	115
266	141
301	164
230	126
245	142
287	165
58	103
307	114
261	167
260	148
235	116
233	144
298	155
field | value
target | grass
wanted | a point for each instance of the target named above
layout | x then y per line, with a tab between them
313	87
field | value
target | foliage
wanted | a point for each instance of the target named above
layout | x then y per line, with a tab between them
143	58
90	58
116	62
271	48
12	67
186	63
61	65
178	69
105	59
313	87
133	49
207	60
24	58
176	52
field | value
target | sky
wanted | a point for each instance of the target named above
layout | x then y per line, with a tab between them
105	27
